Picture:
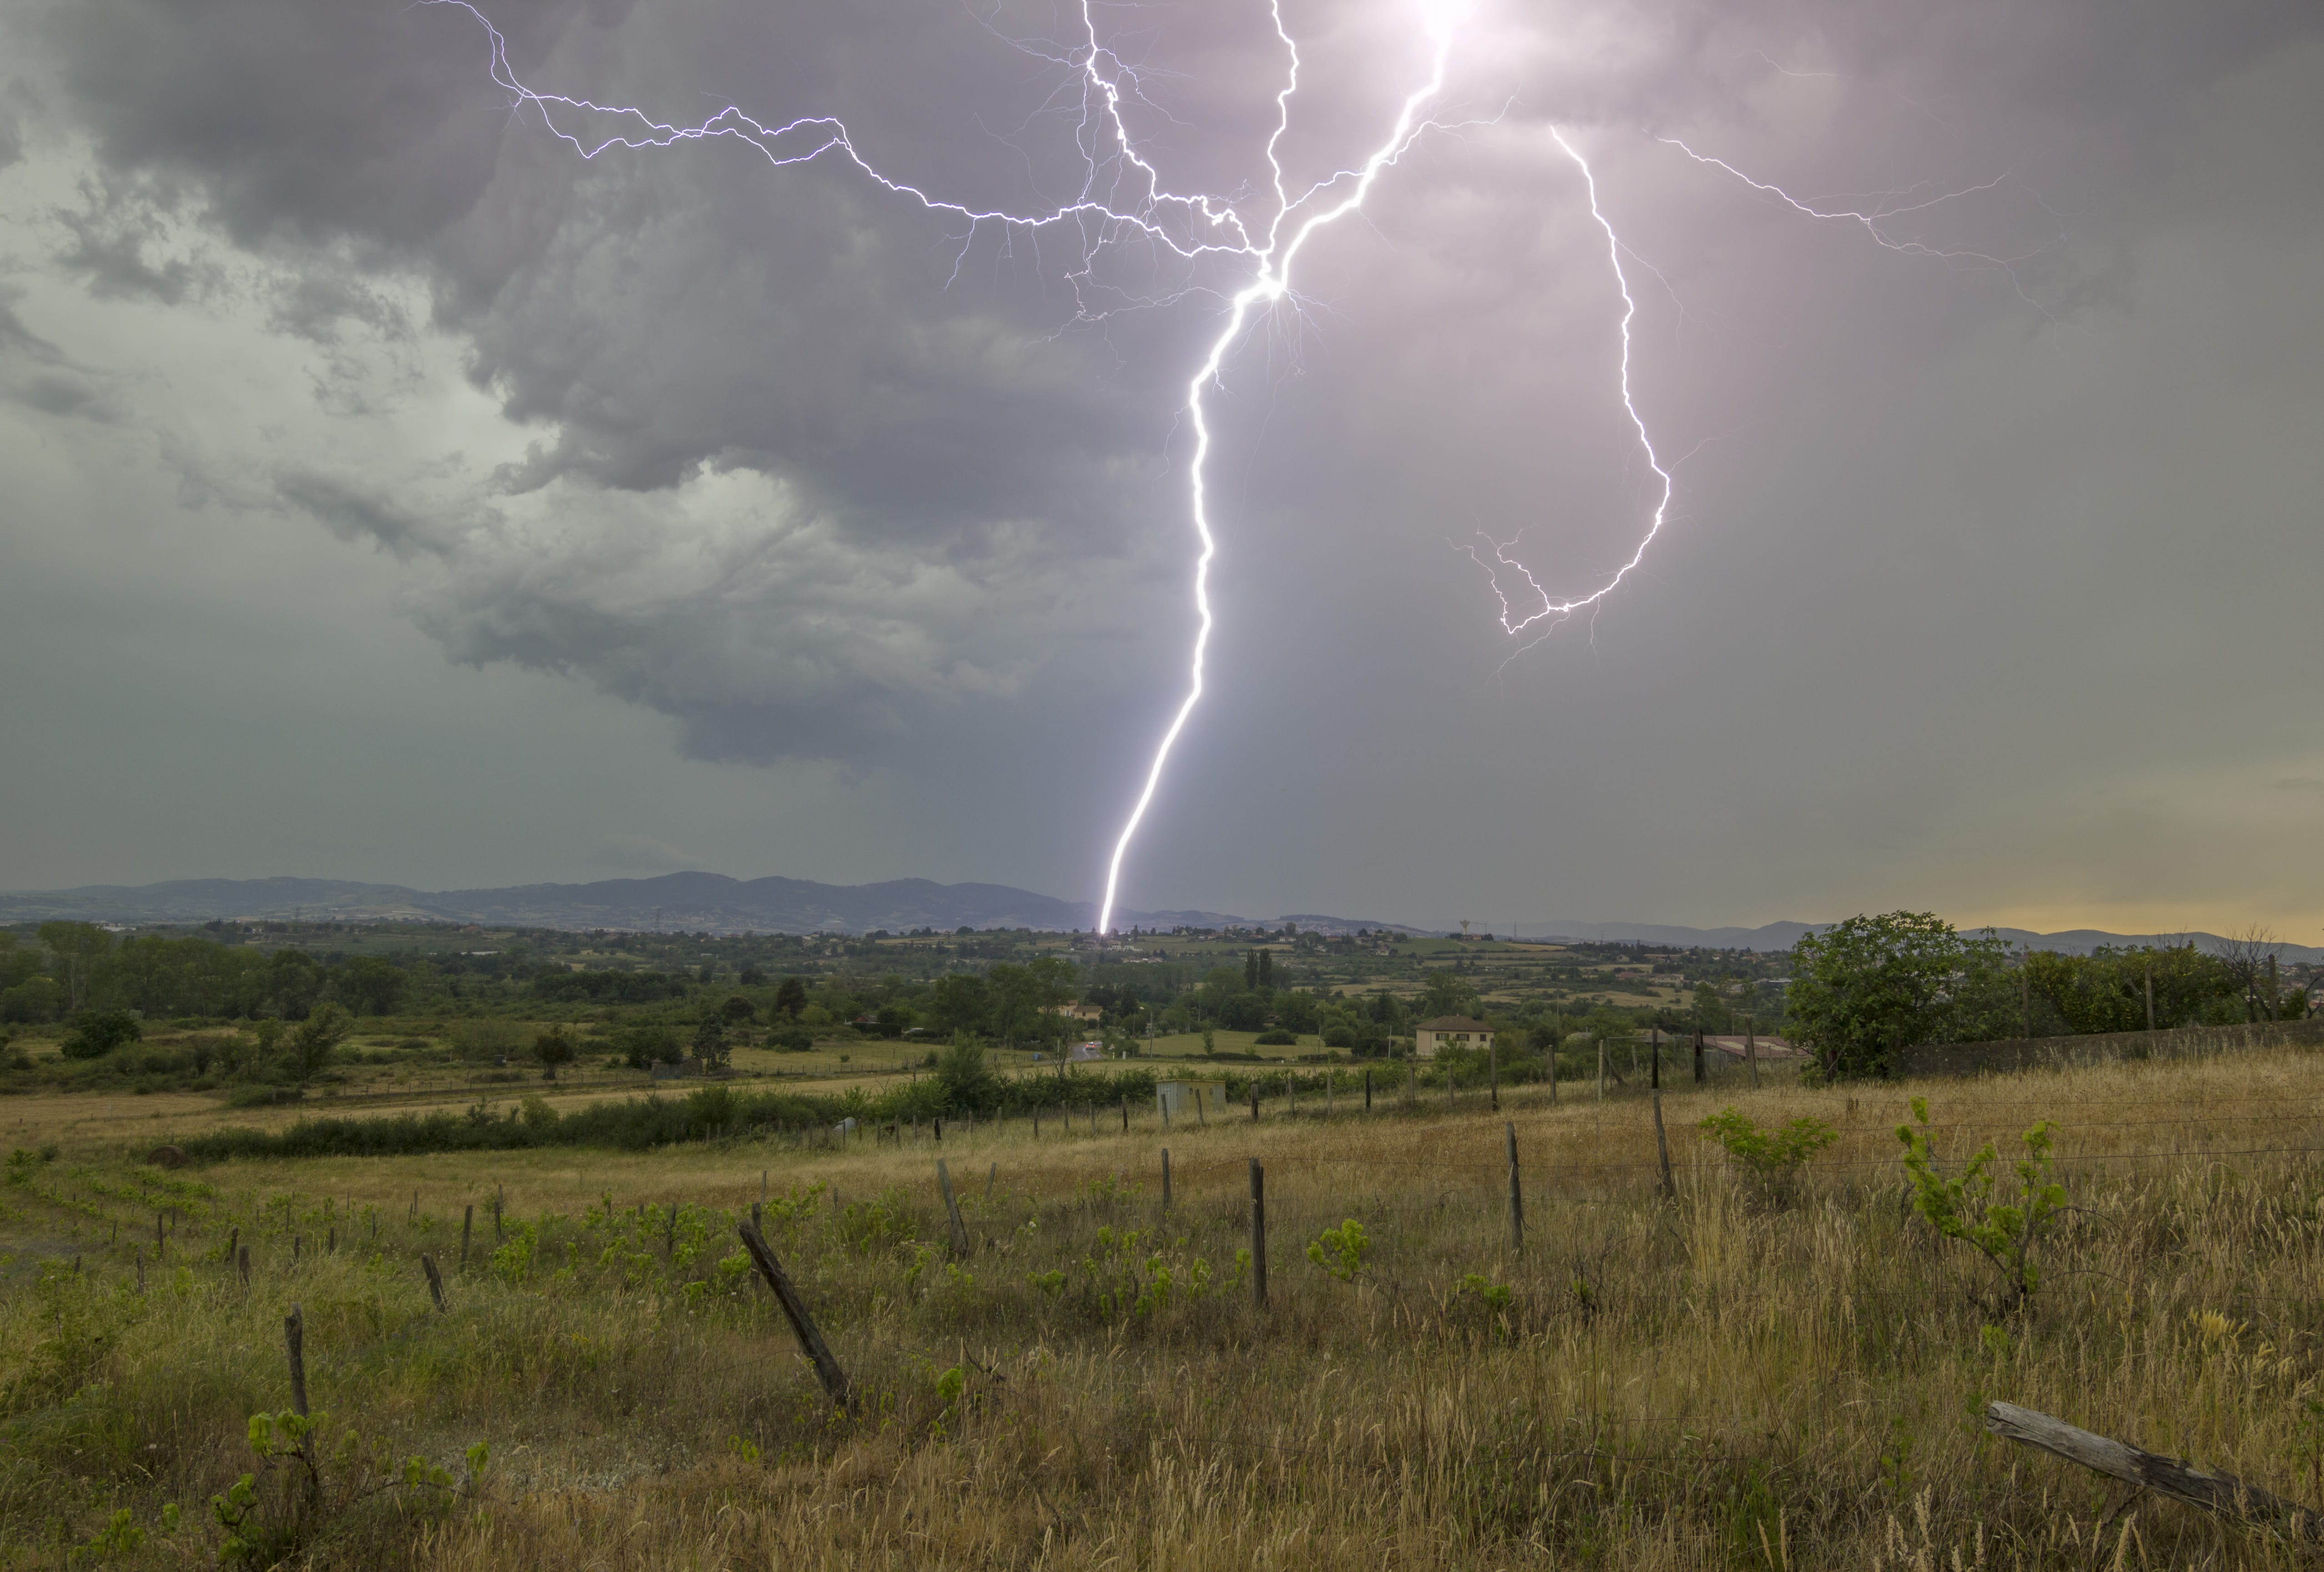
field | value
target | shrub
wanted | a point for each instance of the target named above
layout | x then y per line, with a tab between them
1772	1157
2004	1231
1341	1251
97	1032
1278	1038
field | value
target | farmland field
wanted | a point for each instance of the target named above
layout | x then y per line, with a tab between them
1734	1375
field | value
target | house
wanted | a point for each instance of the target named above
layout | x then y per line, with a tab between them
1191	1099
1449	1032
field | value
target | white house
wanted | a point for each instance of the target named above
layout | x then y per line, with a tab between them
1449	1032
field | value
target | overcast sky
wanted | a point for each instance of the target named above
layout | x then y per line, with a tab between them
392	493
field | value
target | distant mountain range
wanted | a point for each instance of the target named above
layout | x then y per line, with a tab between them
714	903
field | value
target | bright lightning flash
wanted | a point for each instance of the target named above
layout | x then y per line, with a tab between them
1122	200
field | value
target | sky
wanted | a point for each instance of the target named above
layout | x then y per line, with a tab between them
393	493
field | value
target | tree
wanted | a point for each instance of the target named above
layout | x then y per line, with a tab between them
98	1033
313	1042
710	1043
79	948
959	1002
791	996
738	1011
968	1081
370	986
1865	989
2249	956
1445	992
644	1046
552	1048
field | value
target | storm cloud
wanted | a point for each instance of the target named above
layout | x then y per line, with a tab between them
831	483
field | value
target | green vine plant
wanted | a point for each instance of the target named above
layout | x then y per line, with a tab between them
273	1513
1772	1157
1341	1251
2003	1227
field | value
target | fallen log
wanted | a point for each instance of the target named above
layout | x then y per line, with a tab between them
2215	1493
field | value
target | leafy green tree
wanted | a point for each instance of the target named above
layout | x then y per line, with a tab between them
791	996
294	983
80	949
1772	1157
1025	999
644	1046
738	1011
1445	992
313	1041
710	1043
1297	1011
969	1083
1711	1011
368	985
1866	990
553	1048
960	1001
97	1032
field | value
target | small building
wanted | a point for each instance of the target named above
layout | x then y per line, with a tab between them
1449	1032
1191	1099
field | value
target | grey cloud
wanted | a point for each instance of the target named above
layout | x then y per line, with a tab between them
112	232
37	374
352	513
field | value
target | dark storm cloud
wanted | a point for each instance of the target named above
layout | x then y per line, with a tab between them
802	469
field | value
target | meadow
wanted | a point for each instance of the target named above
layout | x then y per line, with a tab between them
1727	1375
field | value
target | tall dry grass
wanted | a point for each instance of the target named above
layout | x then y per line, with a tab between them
1712	1381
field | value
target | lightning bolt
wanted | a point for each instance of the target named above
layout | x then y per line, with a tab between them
1124	199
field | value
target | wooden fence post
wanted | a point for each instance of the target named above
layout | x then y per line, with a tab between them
1698	1056
1254	1102
2215	1493
1166	1176
1662	1146
1257	1235
1602	1069
1751	1049
952	1211
1517	1192
160	1240
499	1210
1493	1072
670	1233
294	1340
141	1268
434	1283
242	1262
803	1327
1125	1113
990	1174
468	1222
1368	1091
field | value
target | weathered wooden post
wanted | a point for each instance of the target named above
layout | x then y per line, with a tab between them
803	1327
434	1283
1125	1113
1602	1069
468	1222
1368	1090
1257	1235
1166	1176
1517	1192
1254	1102
1493	1072
500	1207
294	1339
1698	1056
952	1211
1751	1049
242	1262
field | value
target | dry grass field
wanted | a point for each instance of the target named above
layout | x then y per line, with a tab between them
1719	1379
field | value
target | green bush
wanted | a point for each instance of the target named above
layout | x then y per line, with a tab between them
2004	1230
97	1032
1773	1158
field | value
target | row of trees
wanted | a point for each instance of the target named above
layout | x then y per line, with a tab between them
1865	990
